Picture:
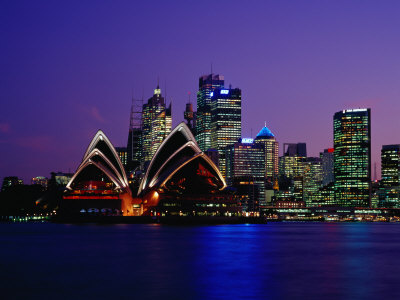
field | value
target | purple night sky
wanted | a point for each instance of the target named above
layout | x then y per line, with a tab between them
68	68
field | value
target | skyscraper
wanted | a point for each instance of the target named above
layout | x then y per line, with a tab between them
312	180
390	178
352	157
327	166
290	163
134	151
157	123
226	121
207	83
271	147
246	172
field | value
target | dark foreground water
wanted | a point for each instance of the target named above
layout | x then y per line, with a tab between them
273	261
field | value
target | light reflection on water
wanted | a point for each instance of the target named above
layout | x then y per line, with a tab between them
273	261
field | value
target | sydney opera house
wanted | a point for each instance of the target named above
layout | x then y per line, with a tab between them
100	184
180	180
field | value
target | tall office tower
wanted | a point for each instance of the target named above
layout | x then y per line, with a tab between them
312	180
271	147
352	157
157	123
207	83
390	175
226	121
327	166
123	155
290	164
245	171
134	151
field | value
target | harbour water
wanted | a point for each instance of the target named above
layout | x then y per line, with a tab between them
263	261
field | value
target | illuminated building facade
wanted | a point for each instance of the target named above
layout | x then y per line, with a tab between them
226	121
352	157
40	180
100	184
245	171
182	180
61	178
327	166
266	138
157	121
312	180
390	176
123	155
134	147
207	84
291	171
290	166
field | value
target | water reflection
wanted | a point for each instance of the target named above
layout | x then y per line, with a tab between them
273	261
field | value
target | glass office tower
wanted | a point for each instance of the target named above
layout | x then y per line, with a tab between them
352	157
390	175
207	83
266	138
246	172
226	121
157	123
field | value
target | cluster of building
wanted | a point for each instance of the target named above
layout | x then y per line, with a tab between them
207	163
253	169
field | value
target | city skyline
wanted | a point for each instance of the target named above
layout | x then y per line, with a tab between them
61	84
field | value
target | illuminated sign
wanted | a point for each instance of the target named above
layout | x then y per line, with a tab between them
211	94
354	110
247	141
225	92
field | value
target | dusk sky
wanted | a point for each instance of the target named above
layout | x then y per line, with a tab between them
68	68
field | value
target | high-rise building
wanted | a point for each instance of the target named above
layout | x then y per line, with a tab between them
134	149
327	166
290	163
123	155
390	175
207	84
271	147
352	157
291	171
312	180
157	122
226	121
246	172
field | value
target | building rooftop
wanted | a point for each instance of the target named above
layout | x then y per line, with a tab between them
265	133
